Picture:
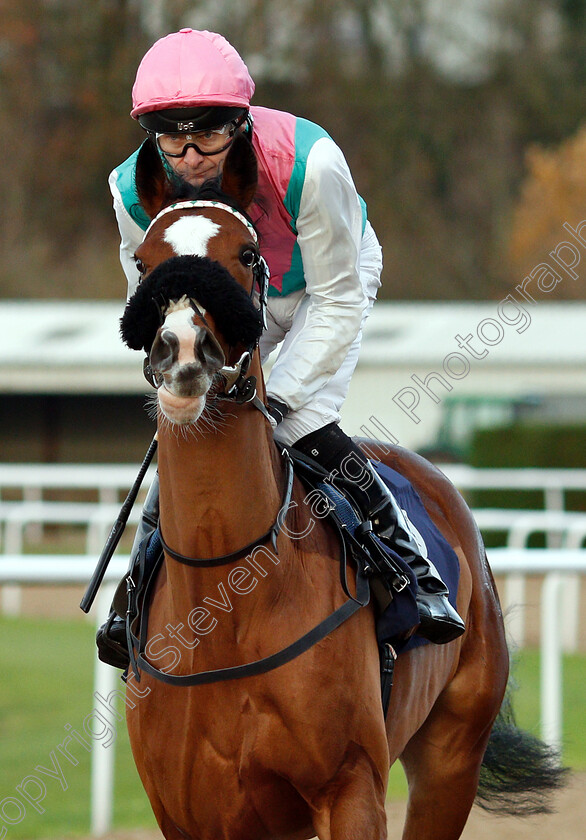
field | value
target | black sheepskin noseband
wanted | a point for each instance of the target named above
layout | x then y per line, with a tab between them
202	280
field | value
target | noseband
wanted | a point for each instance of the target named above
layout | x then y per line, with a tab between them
238	386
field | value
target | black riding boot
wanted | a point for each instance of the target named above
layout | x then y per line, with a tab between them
111	636
337	453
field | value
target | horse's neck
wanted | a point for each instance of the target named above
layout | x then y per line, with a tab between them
219	491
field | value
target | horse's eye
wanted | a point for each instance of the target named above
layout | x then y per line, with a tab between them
140	267
248	257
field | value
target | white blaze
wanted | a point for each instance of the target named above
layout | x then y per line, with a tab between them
190	235
179	319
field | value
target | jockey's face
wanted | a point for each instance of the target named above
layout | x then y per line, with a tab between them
196	168
199	155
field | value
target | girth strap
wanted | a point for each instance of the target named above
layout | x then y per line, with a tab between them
275	660
268	663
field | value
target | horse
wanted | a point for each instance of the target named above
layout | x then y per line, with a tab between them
302	747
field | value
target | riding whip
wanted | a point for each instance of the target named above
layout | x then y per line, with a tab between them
116	532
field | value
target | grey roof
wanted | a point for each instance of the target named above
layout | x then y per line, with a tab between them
423	334
66	346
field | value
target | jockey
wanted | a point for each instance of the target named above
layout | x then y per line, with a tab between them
192	95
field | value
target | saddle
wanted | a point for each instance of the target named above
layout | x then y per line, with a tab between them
380	573
394	597
392	583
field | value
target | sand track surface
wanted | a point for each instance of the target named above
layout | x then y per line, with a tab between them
568	823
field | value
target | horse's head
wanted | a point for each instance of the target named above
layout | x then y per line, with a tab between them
193	311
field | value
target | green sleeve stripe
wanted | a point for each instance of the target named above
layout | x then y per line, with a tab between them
306	134
126	182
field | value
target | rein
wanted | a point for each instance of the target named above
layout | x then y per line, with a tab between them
268	663
273	531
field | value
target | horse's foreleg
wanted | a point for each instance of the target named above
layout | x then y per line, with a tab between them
353	806
169	829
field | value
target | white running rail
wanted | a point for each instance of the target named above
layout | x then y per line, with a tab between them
553	564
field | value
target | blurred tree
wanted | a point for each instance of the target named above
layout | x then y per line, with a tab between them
19	46
434	105
553	193
436	144
430	155
64	102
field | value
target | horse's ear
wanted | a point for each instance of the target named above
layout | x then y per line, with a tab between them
240	172
152	183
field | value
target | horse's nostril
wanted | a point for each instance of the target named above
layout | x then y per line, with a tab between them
164	351
209	352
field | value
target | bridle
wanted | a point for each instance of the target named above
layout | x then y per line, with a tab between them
238	387
190	204
260	268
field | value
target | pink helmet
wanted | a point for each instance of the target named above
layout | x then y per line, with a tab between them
190	69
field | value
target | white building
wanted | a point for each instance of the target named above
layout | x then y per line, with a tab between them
424	367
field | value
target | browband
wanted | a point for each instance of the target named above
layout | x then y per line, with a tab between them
200	202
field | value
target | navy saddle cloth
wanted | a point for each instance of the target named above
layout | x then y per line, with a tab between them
432	544
401	614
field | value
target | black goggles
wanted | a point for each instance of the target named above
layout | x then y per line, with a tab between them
206	142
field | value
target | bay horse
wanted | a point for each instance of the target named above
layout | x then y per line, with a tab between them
302	749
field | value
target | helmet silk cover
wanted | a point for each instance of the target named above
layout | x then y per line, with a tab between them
188	69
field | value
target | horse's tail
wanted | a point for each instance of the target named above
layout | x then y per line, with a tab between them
519	773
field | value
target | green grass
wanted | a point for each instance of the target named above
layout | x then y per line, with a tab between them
526	702
46	684
46	670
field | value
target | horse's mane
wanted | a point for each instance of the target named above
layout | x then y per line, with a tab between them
210	190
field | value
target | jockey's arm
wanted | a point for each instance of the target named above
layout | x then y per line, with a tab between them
329	234
131	235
